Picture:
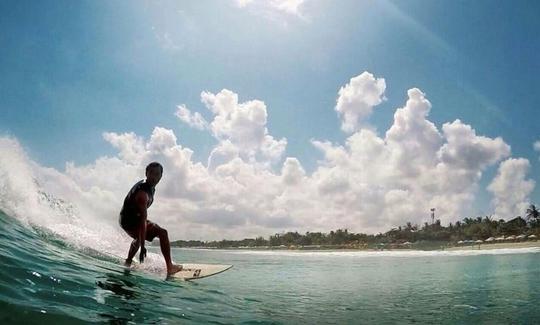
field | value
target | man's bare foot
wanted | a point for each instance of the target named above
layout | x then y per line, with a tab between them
127	263
174	269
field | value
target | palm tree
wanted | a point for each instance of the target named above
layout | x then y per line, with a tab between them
409	226
533	214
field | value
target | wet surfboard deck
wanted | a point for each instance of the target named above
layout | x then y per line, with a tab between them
192	271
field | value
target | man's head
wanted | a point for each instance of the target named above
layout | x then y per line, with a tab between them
154	171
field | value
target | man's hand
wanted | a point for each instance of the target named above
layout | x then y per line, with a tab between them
142	254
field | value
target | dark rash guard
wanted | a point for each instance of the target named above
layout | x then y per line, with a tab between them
130	215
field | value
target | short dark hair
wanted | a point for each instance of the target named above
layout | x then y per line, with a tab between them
154	164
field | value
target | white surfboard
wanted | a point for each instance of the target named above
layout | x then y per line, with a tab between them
192	271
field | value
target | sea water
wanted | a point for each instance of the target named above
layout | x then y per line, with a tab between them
46	278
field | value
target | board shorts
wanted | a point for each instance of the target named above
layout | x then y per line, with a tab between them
152	229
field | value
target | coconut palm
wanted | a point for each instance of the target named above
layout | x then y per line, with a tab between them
532	212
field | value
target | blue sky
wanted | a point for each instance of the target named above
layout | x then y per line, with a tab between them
70	71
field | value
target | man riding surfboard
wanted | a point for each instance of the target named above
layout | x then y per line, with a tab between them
133	219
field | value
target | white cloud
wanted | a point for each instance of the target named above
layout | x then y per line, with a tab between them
292	171
243	125
375	183
412	138
511	189
129	144
357	99
195	120
288	6
467	150
161	140
292	7
243	3
369	183
222	154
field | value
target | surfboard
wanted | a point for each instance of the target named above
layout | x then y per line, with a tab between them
192	271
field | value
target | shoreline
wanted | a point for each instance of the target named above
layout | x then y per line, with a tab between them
476	247
491	246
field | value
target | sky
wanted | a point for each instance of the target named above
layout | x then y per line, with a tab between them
272	116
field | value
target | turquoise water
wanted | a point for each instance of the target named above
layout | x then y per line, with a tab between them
45	279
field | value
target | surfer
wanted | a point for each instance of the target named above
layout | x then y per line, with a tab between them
133	219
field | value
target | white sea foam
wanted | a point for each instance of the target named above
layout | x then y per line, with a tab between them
22	197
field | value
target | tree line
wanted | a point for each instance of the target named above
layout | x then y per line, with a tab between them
469	228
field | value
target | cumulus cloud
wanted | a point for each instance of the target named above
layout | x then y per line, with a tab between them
368	183
467	150
130	146
195	120
511	189
292	171
412	139
357	99
374	183
222	154
242	126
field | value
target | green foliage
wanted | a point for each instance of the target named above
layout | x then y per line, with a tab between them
533	215
426	236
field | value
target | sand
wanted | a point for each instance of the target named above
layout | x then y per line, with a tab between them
504	245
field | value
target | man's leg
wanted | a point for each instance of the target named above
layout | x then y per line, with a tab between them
133	248
152	231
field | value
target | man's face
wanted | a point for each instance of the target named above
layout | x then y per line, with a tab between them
153	176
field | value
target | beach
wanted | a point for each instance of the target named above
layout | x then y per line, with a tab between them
490	246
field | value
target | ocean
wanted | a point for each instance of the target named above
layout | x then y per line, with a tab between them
46	277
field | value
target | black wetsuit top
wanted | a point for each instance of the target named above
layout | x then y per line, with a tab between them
129	216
